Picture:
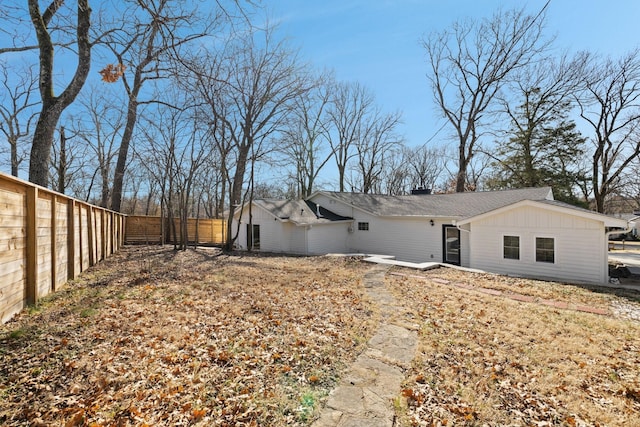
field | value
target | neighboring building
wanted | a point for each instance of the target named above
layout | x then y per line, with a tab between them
632	218
519	232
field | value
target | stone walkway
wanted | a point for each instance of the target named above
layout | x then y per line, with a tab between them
364	397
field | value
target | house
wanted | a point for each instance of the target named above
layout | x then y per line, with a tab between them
522	232
633	219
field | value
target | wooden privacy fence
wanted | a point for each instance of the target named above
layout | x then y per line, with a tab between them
47	238
148	229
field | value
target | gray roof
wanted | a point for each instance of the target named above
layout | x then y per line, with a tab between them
455	205
299	211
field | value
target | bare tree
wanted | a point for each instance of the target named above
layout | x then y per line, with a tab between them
250	94
468	65
350	105
52	105
304	141
70	170
99	125
610	105
395	175
153	34
541	145
631	190
425	165
377	142
17	111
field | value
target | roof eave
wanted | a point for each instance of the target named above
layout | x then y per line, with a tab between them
608	221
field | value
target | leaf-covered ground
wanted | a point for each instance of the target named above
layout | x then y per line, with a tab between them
157	337
488	360
164	338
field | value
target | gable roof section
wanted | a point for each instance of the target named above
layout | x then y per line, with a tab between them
553	205
300	212
455	205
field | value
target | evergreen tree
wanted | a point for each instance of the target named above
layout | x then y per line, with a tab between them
544	149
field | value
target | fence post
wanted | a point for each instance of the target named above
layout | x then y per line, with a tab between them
32	246
90	231
71	239
103	232
54	238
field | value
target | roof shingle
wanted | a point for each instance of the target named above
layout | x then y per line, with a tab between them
456	205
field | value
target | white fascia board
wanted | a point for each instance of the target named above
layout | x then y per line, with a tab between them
608	221
245	209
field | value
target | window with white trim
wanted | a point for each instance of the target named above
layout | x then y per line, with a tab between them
545	249
511	247
363	226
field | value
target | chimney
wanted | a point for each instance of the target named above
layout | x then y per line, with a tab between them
420	191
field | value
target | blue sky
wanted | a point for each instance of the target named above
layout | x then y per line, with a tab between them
377	42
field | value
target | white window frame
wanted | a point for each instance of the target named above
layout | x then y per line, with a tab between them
535	249
519	247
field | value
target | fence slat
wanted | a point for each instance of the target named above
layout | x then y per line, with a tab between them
34	263
149	229
32	246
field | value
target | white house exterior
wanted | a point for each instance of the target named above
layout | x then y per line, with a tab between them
290	226
518	232
576	241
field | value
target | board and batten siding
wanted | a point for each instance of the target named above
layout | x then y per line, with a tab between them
579	245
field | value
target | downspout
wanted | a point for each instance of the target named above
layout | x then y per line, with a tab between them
626	230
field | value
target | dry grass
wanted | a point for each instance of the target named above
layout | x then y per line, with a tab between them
155	337
486	360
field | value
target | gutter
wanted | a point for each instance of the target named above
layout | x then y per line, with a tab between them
455	224
630	226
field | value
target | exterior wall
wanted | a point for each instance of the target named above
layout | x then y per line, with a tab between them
413	240
579	245
297	238
285	237
273	235
327	238
408	239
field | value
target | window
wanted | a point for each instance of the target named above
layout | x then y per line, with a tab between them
363	226
545	251
511	247
253	236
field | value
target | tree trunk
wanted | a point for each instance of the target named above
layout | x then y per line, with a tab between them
461	177
235	195
40	157
14	156
52	106
62	169
123	153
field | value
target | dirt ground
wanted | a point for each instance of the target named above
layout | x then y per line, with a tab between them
157	337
